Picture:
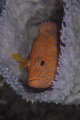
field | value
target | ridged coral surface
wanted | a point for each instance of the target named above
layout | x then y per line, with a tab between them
19	26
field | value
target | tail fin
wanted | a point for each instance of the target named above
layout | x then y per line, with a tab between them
48	26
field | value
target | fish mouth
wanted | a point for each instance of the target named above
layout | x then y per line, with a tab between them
34	83
37	83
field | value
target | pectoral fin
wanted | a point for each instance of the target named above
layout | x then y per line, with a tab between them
21	60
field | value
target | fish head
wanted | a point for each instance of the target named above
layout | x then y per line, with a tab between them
37	73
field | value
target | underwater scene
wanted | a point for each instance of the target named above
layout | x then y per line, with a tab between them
39	60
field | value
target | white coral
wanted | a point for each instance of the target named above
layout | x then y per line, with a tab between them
20	20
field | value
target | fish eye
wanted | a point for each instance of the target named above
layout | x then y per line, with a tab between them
42	63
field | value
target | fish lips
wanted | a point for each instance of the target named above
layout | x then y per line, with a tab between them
37	83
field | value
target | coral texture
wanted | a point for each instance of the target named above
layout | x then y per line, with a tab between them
19	27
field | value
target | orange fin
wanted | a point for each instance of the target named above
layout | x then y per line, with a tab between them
27	65
47	26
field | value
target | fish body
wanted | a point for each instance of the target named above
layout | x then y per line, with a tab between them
42	62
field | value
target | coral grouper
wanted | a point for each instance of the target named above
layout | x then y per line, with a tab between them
42	62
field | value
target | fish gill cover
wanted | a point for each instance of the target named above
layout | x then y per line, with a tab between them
19	27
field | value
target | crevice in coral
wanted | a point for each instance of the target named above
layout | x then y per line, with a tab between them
56	17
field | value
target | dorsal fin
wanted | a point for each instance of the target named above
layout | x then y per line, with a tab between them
47	26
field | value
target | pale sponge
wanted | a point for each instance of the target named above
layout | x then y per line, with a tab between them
19	27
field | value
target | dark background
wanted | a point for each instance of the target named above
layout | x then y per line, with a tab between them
13	107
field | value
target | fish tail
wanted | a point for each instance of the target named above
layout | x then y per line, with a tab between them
48	26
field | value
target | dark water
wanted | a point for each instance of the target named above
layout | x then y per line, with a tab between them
12	107
2	3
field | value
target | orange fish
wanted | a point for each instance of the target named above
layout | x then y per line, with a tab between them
43	59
